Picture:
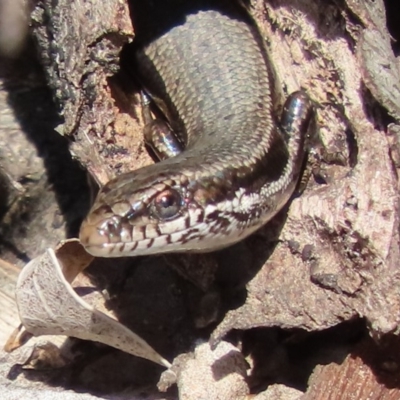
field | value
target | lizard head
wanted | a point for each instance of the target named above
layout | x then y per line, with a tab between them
148	211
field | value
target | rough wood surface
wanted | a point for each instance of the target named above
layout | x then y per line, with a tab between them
371	372
330	256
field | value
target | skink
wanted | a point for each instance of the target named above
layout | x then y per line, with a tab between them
211	76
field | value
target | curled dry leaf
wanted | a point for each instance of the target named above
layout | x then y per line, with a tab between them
17	339
48	304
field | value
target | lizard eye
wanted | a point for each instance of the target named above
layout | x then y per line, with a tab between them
166	205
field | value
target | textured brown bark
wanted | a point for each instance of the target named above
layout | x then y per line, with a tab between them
330	256
370	372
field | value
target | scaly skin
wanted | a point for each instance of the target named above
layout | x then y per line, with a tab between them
212	77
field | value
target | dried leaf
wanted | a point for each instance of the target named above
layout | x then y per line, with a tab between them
47	304
17	339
